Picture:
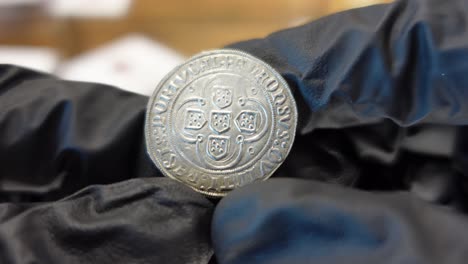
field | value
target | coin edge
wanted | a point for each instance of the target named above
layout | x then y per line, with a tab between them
147	130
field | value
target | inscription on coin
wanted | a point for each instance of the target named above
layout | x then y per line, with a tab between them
221	120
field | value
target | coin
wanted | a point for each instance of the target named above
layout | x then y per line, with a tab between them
221	120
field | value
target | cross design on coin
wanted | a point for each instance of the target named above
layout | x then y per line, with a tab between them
217	126
219	121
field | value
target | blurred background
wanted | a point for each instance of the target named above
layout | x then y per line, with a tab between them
132	44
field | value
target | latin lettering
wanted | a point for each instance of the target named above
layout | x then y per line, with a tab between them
272	85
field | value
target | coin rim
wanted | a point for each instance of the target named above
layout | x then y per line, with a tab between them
147	129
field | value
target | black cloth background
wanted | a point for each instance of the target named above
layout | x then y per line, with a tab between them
377	173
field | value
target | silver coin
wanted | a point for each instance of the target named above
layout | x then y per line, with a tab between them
221	120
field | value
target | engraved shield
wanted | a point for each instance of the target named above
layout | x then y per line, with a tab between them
222	97
246	121
220	121
194	119
217	147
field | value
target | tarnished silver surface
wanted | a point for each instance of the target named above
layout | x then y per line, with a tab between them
221	120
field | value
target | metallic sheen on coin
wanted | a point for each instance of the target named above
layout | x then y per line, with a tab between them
221	120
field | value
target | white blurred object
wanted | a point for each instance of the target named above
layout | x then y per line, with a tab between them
41	59
88	8
134	63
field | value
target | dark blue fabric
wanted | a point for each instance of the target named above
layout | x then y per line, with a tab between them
299	221
406	61
383	103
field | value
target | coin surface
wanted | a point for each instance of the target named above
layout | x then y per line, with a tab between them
221	120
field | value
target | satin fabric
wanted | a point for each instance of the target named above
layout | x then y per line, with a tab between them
301	221
377	172
135	221
383	98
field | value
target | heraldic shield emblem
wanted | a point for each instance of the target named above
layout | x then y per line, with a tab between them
222	97
246	121
217	147
220	121
194	119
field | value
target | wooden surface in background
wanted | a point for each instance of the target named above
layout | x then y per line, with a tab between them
186	26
